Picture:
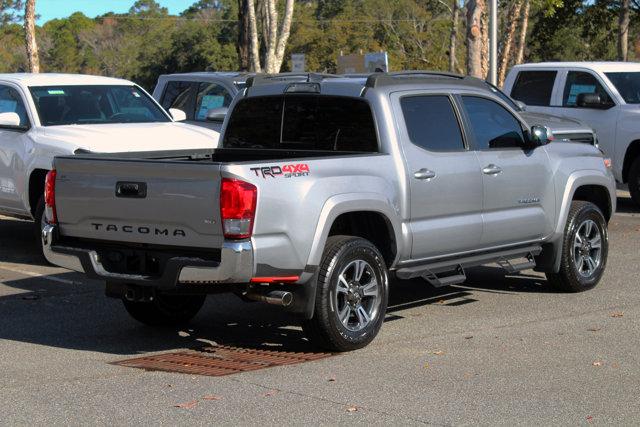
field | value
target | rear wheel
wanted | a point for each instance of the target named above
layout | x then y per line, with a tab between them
634	181
584	249
165	310
351	297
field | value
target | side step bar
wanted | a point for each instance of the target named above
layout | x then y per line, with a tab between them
451	271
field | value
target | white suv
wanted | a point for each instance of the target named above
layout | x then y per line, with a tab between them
605	95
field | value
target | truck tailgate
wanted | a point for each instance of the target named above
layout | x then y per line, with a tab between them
164	202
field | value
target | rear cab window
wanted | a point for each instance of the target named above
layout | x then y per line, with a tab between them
302	122
534	87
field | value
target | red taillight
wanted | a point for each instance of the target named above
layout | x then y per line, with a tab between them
237	208
50	197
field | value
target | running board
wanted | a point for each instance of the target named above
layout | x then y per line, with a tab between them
438	281
504	258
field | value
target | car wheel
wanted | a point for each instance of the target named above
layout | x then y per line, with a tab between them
351	296
634	181
585	248
39	223
165	310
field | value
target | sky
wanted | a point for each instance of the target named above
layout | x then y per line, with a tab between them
50	9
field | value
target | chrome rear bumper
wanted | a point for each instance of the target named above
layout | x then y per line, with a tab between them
235	266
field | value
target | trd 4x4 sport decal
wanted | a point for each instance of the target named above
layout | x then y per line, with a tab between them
287	171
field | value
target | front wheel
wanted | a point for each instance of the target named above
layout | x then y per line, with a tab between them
165	310
351	296
585	247
39	222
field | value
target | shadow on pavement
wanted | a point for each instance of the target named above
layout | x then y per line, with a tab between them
19	242
74	313
626	205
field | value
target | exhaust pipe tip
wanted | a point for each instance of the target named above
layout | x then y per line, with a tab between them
130	295
281	298
287	299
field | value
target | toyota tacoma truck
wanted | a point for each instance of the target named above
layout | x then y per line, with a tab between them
337	186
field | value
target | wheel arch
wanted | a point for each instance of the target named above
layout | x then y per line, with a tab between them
586	186
363	216
632	153
36	188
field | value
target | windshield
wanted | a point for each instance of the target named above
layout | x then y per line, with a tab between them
628	85
81	105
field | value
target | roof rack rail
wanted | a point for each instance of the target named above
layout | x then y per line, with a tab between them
380	79
270	78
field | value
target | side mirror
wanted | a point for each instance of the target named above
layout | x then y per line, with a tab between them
521	105
540	135
177	115
10	120
217	114
589	100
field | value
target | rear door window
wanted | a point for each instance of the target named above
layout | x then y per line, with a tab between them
432	123
582	82
180	95
302	122
534	87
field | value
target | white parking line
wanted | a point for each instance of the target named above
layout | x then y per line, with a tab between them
39	276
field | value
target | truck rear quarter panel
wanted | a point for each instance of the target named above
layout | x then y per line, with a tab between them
299	200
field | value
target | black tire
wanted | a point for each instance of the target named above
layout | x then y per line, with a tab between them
165	310
570	278
325	329
38	218
634	181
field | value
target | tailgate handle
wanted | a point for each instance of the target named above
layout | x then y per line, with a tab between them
135	190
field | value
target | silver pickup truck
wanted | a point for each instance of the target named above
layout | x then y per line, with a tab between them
322	189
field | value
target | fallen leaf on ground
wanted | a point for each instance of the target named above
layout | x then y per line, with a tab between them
426	366
352	409
332	379
468	337
598	363
211	397
187	405
589	418
594	329
617	314
270	393
438	353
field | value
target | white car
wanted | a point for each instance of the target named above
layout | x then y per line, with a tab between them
46	115
604	95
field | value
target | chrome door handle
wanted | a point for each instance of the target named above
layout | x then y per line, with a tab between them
491	169
424	174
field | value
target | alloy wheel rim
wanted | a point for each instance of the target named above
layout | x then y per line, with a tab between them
358	295
587	248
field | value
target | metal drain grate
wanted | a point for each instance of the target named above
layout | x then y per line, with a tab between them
219	360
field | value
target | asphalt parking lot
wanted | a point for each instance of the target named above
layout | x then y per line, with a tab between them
498	350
